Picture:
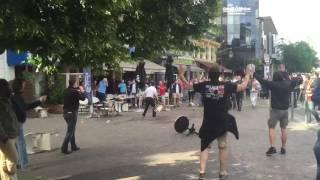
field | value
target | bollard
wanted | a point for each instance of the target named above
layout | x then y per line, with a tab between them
292	105
307	115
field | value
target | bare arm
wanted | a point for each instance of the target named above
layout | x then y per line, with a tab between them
243	85
183	79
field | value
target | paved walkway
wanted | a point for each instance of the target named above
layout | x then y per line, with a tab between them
130	147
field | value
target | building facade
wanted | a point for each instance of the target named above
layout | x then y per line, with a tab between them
267	49
240	29
6	72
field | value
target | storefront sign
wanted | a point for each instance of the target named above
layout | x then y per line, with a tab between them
236	10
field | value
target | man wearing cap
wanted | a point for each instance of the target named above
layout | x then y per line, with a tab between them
216	120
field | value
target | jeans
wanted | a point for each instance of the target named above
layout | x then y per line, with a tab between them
21	147
71	120
101	96
316	150
150	101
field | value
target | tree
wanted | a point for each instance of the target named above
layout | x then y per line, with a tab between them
62	32
87	32
298	57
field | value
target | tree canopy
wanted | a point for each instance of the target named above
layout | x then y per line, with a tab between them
96	32
298	57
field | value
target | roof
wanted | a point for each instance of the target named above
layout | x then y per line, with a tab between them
268	26
150	67
207	65
193	67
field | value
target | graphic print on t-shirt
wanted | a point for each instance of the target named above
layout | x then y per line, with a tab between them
214	92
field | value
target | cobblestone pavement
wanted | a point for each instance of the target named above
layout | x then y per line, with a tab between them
132	147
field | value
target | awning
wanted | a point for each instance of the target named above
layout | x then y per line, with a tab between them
207	65
193	68
14	58
150	67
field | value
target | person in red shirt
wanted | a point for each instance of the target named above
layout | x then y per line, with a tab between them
162	92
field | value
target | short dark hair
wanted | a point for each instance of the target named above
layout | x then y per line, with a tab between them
214	72
72	81
17	85
280	76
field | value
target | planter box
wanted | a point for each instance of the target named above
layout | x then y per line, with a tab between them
55	109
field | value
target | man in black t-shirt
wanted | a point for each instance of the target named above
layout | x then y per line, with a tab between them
72	95
216	120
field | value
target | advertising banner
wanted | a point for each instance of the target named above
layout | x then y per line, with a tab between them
88	83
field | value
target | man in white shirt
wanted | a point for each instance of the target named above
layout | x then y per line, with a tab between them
150	97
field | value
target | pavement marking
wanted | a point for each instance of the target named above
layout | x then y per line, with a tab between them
171	158
131	178
61	177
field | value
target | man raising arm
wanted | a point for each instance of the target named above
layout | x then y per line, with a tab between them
216	120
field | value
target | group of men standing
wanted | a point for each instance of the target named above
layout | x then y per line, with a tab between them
217	121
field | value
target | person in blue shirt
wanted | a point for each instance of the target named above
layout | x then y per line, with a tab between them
122	87
102	89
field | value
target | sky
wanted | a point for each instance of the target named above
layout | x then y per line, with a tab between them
295	20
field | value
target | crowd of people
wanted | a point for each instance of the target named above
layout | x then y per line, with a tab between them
216	93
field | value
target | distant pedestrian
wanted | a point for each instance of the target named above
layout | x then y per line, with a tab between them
239	94
151	96
8	134
122	87
134	91
20	107
254	91
162	92
102	89
191	93
176	90
72	95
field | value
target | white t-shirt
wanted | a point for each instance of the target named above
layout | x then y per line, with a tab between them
177	88
151	92
134	89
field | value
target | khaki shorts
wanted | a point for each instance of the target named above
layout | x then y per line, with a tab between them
278	115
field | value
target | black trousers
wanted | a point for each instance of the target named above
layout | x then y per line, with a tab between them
150	101
191	96
71	120
239	98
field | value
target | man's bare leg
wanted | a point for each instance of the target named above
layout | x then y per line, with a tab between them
272	136
284	137
203	160
223	157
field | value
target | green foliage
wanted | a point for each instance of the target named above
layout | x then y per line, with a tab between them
28	76
299	57
56	87
93	33
39	64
